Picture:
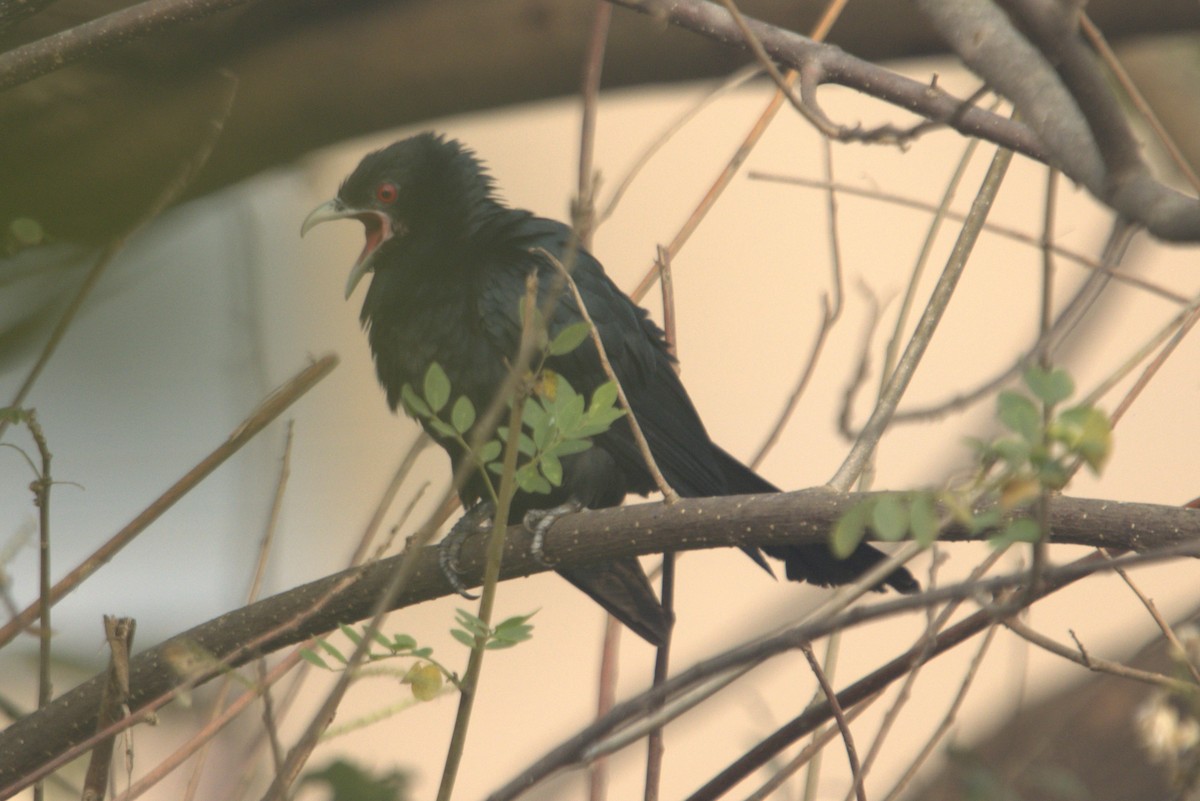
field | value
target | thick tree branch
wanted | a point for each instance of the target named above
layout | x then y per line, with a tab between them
1071	119
690	524
820	63
1035	56
125	117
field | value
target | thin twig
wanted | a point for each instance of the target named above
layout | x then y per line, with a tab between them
855	693
210	729
812	771
606	697
669	494
655	746
951	713
810	752
831	311
171	192
718	186
365	538
1081	657
118	633
1096	37
90	38
940	213
583	210
734	81
934	624
267	411
840	718
41	498
991	227
264	549
865	445
469	686
1175	330
1165	627
389	494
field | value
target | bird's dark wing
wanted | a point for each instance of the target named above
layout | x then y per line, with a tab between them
691	463
635	349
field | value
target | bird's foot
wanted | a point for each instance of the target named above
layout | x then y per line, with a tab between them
476	520
539	521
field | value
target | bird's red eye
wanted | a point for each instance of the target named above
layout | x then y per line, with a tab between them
387	193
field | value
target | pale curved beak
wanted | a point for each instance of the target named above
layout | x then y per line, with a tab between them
377	225
329	210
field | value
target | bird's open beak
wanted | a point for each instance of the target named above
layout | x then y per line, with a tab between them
377	225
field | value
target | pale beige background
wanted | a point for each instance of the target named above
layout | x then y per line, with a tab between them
747	292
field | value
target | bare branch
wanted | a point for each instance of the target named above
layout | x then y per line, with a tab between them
689	524
95	36
1070	118
1059	88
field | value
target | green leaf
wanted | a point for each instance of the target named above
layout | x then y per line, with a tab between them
849	531
1020	415
463	637
530	480
413	403
986	519
511	631
922	519
351	635
540	431
1049	386
313	658
1053	475
498	645
1014	452
1087	431
524	442
889	518
462	415
570	413
552	468
490	451
329	649
437	387
442	428
534	412
566	447
569	338
1022	530
470	622
605	397
564	394
597	423
392	643
516	620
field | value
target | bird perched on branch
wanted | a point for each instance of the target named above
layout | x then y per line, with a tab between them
450	262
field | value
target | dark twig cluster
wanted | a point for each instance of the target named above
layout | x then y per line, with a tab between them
1030	51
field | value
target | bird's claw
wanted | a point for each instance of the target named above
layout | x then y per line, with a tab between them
539	521
477	519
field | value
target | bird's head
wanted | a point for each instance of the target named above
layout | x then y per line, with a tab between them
425	185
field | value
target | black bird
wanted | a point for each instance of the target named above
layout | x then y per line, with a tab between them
450	262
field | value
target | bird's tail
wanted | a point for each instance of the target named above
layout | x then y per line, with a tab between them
812	563
622	588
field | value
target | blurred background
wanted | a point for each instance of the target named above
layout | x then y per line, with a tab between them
216	301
